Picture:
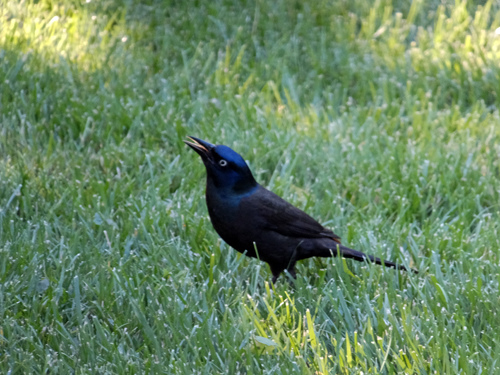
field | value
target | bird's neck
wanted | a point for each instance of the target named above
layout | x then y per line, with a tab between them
228	195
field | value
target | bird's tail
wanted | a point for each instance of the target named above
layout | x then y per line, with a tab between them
361	257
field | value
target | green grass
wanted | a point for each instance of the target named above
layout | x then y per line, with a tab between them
378	118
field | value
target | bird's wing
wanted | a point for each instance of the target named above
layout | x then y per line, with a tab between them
282	217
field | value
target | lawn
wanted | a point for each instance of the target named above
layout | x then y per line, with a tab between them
380	119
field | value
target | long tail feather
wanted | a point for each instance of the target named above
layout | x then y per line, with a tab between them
361	257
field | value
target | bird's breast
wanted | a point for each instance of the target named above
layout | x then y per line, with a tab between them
228	221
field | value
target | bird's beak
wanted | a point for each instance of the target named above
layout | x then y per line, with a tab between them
200	146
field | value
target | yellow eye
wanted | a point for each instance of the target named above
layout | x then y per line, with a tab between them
222	163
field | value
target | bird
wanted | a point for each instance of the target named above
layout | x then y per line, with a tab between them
260	224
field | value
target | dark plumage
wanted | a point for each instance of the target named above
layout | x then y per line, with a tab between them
257	222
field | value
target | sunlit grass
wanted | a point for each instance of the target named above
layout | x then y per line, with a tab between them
379	119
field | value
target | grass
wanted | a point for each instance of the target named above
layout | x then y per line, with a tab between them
378	118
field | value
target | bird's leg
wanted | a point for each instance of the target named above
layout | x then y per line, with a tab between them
276	272
291	263
291	271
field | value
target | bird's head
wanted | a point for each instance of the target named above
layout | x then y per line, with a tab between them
226	169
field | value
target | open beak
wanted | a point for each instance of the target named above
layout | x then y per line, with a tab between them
200	146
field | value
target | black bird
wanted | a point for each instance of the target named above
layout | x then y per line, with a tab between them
257	222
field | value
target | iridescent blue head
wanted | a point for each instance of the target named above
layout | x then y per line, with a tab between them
226	169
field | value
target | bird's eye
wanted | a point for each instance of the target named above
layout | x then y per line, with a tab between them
222	163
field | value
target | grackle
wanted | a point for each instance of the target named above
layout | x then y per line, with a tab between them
257	222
